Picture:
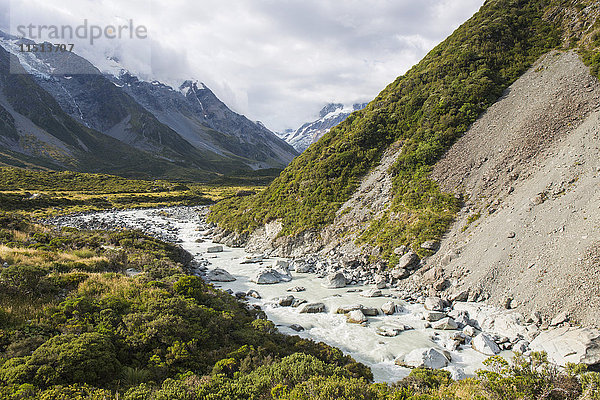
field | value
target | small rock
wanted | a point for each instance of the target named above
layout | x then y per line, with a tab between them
469	331
284	301
253	293
370	311
534	318
457	374
356	317
511	235
388	331
296	289
312	308
521	346
559	319
347	308
372	293
424	358
400	273
297	328
433	316
430	245
298	302
408	261
446	324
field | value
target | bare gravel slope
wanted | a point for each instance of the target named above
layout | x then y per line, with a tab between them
530	167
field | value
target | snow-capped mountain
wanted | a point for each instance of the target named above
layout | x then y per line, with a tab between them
188	127
329	116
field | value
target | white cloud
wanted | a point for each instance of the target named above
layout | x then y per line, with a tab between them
277	61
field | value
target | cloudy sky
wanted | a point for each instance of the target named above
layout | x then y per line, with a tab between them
277	61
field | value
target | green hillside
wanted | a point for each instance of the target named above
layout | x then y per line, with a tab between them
427	109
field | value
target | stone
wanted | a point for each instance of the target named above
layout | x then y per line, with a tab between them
312	308
559	319
469	331
297	328
569	345
511	235
347	308
446	324
424	358
131	272
431	245
388	331
534	318
335	281
281	264
356	317
459	295
284	301
380	282
370	311
521	346
400	273
389	308
253	293
434	304
298	302
457	374
303	268
219	275
266	277
283	271
408	261
215	249
372	293
484	344
400	250
297	289
240	295
253	260
433	316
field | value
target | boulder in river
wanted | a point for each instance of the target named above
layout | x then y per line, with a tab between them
253	293
215	249
389	308
424	358
298	302
296	327
568	344
433	316
335	281
297	289
484	344
372	293
347	308
388	331
356	317
270	275
370	311
284	301
313	308
446	324
219	275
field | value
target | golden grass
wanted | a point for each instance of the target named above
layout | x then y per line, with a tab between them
21	255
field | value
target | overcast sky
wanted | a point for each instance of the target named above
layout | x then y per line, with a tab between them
277	61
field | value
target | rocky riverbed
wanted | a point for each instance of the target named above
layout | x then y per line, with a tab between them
355	307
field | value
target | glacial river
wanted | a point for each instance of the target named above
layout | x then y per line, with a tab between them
359	341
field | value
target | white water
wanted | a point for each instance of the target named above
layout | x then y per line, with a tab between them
360	342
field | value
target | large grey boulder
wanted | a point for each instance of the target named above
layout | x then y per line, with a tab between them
484	344
408	261
214	249
568	344
372	293
312	308
266	277
335	281
284	301
356	317
424	358
347	308
446	324
219	275
434	304
370	311
433	316
389	308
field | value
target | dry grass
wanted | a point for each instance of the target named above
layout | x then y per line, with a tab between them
21	256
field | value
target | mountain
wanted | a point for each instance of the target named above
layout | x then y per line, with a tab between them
167	128
310	132
365	191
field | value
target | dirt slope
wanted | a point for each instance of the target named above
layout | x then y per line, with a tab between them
530	167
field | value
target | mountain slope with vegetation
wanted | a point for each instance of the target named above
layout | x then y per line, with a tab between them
425	110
